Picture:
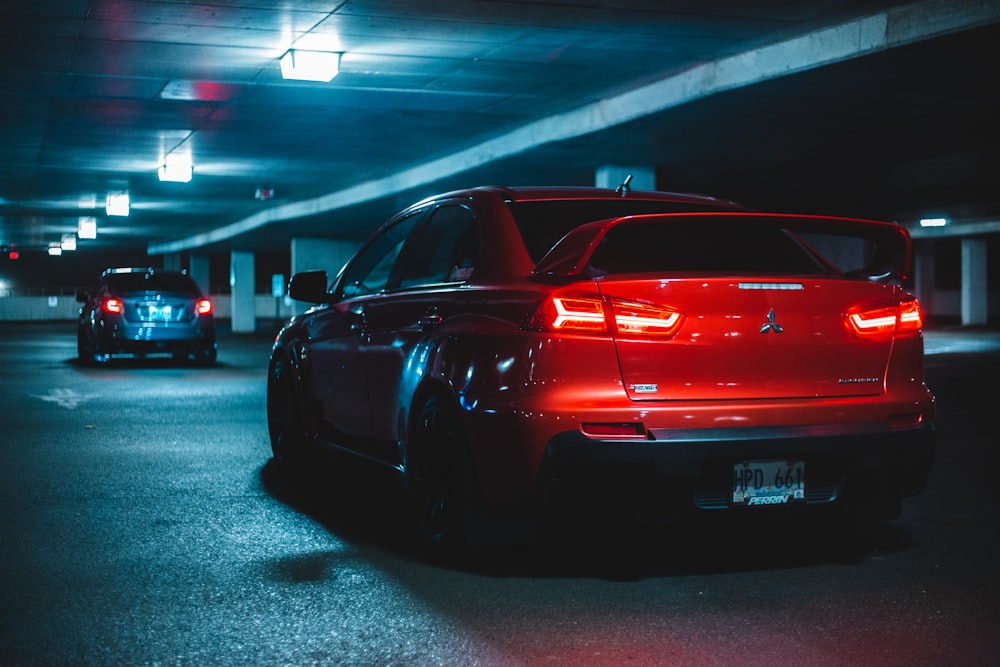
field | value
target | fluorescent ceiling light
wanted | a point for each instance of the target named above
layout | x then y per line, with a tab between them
175	173
933	222
87	228
68	242
55	250
118	204
176	167
310	65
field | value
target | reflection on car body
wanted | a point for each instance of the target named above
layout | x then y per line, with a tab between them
142	311
531	353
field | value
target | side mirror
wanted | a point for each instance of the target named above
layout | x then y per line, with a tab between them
309	286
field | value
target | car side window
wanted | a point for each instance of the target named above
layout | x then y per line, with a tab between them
368	272
445	251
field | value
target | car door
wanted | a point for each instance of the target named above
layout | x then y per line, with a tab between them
338	335
429	276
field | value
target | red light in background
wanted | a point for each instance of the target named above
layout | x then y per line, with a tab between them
204	307
202	91
14	254
113	306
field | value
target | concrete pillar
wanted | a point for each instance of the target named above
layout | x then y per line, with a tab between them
975	305
923	275
611	176
241	283
327	254
198	271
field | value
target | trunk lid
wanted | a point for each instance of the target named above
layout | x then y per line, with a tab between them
764	300
748	338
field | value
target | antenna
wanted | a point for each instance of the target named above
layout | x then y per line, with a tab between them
624	188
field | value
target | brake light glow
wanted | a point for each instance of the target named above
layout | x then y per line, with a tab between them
574	314
113	306
594	314
885	321
641	318
910	318
203	307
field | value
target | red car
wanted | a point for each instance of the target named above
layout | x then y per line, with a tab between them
529	353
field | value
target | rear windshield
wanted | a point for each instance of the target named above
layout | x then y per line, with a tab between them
543	223
704	245
151	282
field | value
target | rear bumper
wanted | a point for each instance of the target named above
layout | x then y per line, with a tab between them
129	338
863	467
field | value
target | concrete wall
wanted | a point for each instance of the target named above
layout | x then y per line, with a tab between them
17	308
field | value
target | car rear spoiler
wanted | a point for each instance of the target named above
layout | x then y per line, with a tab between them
888	245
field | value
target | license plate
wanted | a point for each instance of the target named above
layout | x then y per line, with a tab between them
160	313
761	483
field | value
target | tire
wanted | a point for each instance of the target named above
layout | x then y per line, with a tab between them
284	414
437	477
206	356
88	352
84	353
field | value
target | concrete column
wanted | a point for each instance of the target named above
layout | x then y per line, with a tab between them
199	271
241	282
327	254
975	305
611	176
923	275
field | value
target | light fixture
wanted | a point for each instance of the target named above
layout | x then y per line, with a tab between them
310	65
87	227
68	242
55	250
118	204
933	222
176	168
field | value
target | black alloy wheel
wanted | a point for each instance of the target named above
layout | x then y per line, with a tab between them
438	479
206	355
284	416
199	356
87	350
84	352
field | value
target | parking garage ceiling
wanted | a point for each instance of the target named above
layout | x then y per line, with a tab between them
877	109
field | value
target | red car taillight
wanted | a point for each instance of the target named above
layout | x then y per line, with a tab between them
594	314
574	314
631	317
883	321
203	307
113	306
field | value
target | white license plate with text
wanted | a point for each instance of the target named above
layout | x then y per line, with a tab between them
763	483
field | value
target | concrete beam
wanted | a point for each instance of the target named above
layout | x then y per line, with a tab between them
894	27
955	228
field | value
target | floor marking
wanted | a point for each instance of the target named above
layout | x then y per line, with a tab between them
67	398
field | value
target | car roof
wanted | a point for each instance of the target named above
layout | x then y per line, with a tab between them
535	193
554	193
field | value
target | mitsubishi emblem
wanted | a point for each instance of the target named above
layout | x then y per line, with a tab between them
771	325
